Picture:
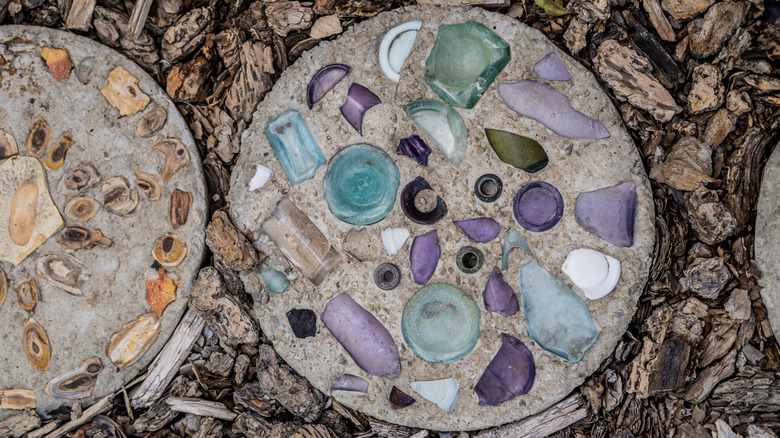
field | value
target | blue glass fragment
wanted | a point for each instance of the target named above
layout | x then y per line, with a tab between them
294	146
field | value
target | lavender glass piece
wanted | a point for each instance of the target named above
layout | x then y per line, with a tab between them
551	108
350	382
609	213
366	340
551	68
359	100
424	256
303	322
415	148
481	229
512	241
323	81
510	374
499	296
538	206
400	399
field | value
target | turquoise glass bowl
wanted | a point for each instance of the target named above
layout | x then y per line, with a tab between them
360	184
440	323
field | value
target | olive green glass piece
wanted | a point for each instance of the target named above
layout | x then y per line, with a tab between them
522	152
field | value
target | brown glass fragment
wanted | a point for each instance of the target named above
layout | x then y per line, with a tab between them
56	156
78	180
24	206
179	208
82	209
17	399
36	345
151	123
58	62
75	238
76	383
149	185
120	199
8	145
160	292
169	250
38	139
27	295
176	156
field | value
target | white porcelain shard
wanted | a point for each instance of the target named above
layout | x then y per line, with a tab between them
262	175
593	272
395	48
393	239
444	393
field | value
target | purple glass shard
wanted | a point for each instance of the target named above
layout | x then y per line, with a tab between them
400	399
424	256
538	206
499	296
551	108
323	81
350	382
359	100
481	229
609	213
415	148
303	322
366	340
551	68
511	373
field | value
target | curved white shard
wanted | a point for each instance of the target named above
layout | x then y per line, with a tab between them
595	273
444	393
262	175
396	47
393	239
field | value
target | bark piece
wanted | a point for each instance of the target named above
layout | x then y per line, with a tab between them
719	127
575	35
326	26
558	416
707	277
700	389
628	74
160	413
706	35
758	393
187	82
719	340
252	397
38	138
648	45
688	165
744	176
230	245
251	426
80	15
179	208
738	102
739	304
132	341
709	218
685	9
122	92
706	90
17	399
112	29
75	238
201	407
252	82
222	312
288	16
18	425
658	20
293	392
138	17
219	364
160	292
292	430
187	34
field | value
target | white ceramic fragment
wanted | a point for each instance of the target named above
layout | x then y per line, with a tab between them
593	272
444	393
393	239
395	47
262	175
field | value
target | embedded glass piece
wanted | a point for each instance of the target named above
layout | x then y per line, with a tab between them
481	229
424	256
469	259
396	47
303	322
550	108
499	296
351	383
552	68
415	148
556	318
393	239
399	399
360	184
440	323
466	58
294	146
274	280
488	187
522	152
359	100
595	273
512	241
442	125
443	393
323	81
538	206
510	374
387	276
609	213
421	204
262	175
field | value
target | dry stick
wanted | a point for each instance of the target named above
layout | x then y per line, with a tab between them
80	15
558	416
127	404
98	408
201	407
138	18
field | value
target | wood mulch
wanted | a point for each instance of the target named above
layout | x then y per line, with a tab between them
698	89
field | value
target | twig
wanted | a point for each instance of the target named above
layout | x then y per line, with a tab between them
80	15
135	25
93	411
201	407
558	416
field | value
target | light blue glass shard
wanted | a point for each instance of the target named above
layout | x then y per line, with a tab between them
294	146
512	241
556	318
274	280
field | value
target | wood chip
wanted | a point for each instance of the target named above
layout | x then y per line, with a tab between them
123	93
230	245
288	16
187	34
252	82
658	20
292	391
112	28
201	407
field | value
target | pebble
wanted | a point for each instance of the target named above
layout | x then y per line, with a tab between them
325	27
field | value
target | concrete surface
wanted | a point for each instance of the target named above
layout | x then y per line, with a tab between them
768	239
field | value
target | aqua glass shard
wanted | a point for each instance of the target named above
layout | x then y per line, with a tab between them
522	152
275	281
442	125
513	240
360	184
556	318
464	61
294	146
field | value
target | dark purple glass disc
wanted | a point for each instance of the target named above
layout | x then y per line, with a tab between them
538	206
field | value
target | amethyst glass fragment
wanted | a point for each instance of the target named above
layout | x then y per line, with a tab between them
551	108
350	382
323	81
359	100
415	148
538	206
551	68
421	204
303	322
481	229
609	213
424	256
400	399
511	373
499	296
366	340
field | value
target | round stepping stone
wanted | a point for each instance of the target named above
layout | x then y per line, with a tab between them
574	166
768	239
89	249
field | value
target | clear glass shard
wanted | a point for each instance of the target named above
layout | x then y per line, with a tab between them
443	126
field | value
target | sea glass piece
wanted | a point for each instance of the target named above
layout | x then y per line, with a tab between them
609	213
323	81
303	322
359	100
469	259
481	229
595	273
274	280
440	323
443	393
261	176
421	204
301	241
513	240
499	296
415	148
510	374
424	256
351	383
551	68
488	187
550	108
393	239
538	206
556	318
360	184
442	125
466	58
294	146
387	276
522	152
399	399
395	48
366	340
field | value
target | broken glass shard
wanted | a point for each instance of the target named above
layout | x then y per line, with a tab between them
294	146
359	100
323	81
395	48
350	382
442	125
444	393
595	273
609	213
303	322
512	241
510	374
551	68
415	148
274	280
481	229
522	152
499	296
424	256
421	204
400	399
